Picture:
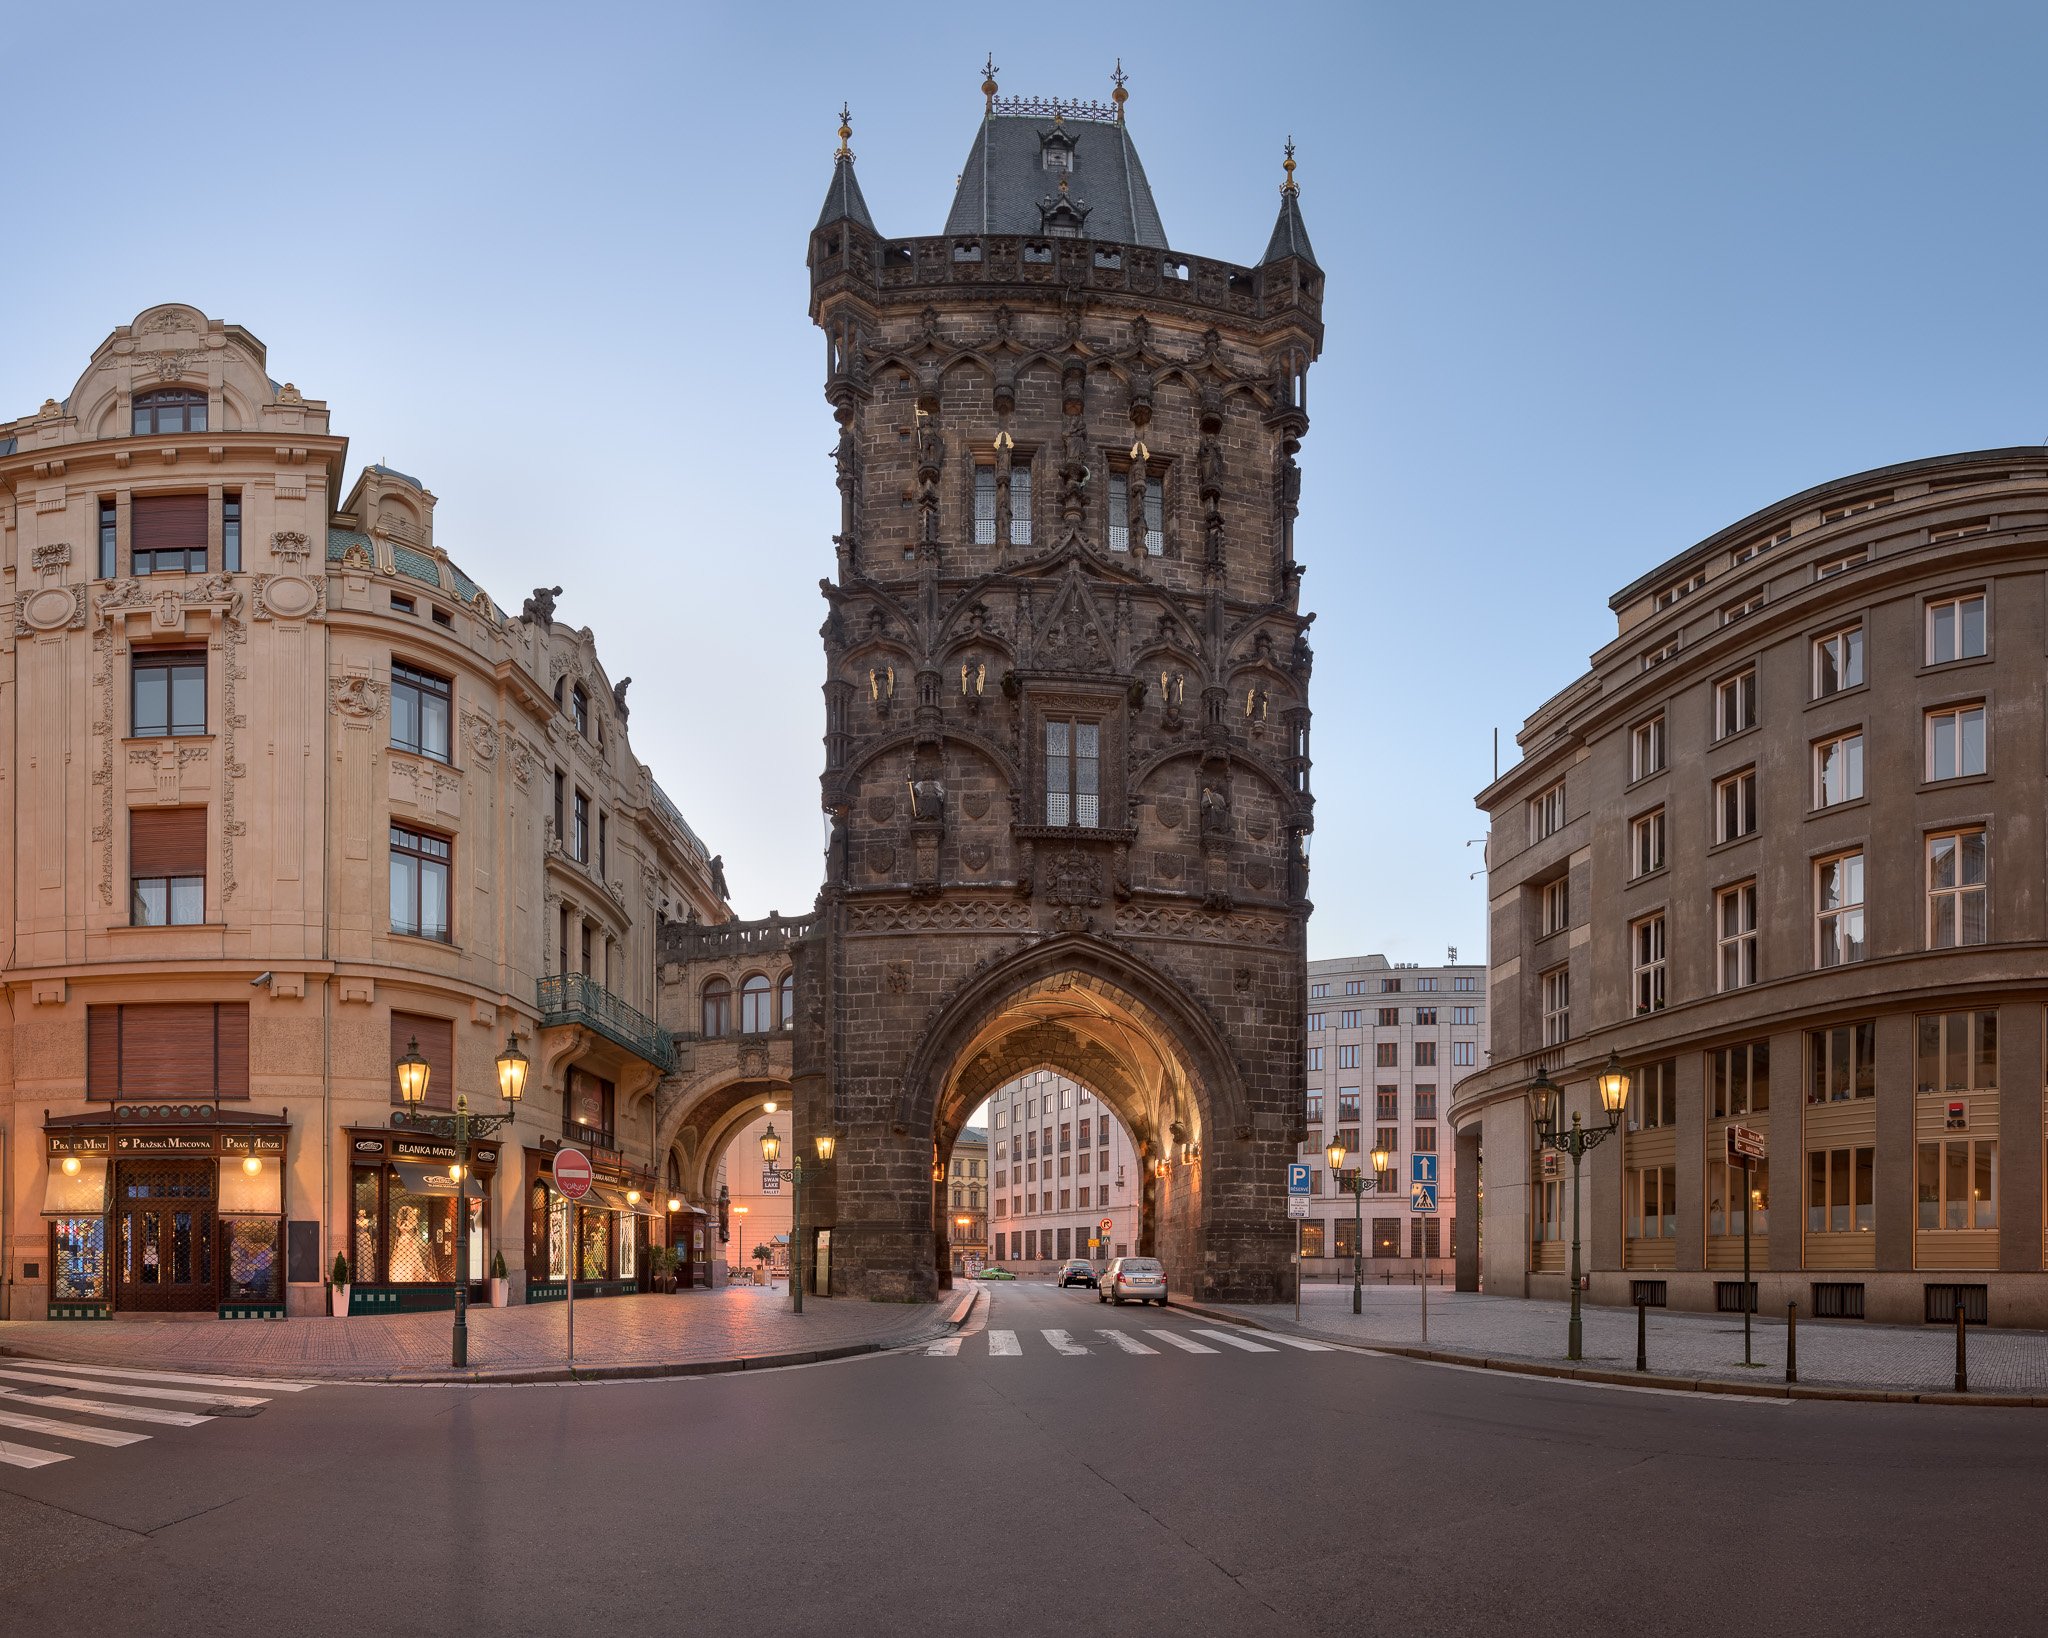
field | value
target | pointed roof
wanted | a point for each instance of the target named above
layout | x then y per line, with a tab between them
843	201
1290	235
1022	151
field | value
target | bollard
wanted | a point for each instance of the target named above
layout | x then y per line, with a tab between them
1642	1336
1962	1348
1791	1342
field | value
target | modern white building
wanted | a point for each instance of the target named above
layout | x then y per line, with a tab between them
1386	1042
1063	1166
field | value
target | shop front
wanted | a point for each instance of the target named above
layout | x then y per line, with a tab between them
605	1237
403	1210
165	1208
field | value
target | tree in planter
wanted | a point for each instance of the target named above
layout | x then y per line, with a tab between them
338	1275
763	1253
497	1265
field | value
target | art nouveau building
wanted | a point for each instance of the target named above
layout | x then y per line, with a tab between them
290	794
1780	851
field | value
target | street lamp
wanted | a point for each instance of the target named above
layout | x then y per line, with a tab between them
771	1148
1612	1083
414	1073
1354	1185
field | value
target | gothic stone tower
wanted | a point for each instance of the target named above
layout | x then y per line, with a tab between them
1066	709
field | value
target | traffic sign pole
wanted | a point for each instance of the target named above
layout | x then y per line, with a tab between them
1748	1206
571	1172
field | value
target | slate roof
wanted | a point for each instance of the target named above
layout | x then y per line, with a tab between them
1005	181
843	201
1290	234
340	540
393	472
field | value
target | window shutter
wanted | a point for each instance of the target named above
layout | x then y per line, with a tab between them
231	1063
436	1037
167	1050
167	842
102	1052
167	522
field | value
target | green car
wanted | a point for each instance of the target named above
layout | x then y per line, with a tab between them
995	1274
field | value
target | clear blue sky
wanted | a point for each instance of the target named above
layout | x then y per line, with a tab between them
1601	280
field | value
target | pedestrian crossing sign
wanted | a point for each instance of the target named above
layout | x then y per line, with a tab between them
1422	1197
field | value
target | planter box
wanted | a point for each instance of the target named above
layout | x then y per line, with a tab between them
338	1301
501	1293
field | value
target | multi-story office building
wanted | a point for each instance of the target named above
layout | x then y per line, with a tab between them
967	1186
1779	853
1386	1043
1064	1166
292	800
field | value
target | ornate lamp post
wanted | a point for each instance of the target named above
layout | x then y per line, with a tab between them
793	1174
1613	1084
414	1072
1354	1185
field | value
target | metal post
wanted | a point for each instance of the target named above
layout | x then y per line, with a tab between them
1642	1335
1962	1348
460	1350
1425	1285
796	1231
1748	1200
1358	1243
1572	1349
575	1255
1791	1342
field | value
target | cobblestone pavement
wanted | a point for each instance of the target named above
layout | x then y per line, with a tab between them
1832	1353
686	1327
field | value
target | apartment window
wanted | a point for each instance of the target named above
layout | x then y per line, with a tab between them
1548	1218
1955	741
1387	1055
1557	905
1742	554
1464	1054
1315	990
1646	843
1425	1017
1739	1079
1315	1058
1842	1062
1425	1054
1733	1191
756	1005
167	867
1389	1139
1425	1104
1735	703
604	831
1546	813
1742	608
1390	1017
167	534
1956	902
1838	770
1349	1017
403	604
1425	1140
1646	748
1464	1015
1652	658
1315	1022
1833	566
110	540
231	531
1653	1098
1957	1185
561	802
1354	986
421	708
1646	939
1347	1057
1838	909
174	409
1735	935
1955	628
1838	661
579	829
1390	986
1841	1191
1073	774
1735	806
167	693
1956	1052
1315	1108
446	621
1681	589
419	883
984	505
1465	985
1425	984
1960	528
1556	988
1652	1202
1347	1104
167	1049
1386	1103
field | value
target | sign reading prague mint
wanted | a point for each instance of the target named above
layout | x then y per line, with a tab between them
136	1143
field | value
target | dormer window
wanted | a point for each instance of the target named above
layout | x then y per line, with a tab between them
175	409
1058	158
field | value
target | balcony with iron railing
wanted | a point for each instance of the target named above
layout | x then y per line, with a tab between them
578	999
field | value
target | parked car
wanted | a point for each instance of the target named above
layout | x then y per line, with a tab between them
1133	1279
995	1274
1078	1272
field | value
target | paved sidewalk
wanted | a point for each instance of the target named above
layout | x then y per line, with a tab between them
1838	1354
676	1333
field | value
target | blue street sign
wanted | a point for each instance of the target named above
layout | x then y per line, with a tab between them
1422	1169
1422	1197
1297	1178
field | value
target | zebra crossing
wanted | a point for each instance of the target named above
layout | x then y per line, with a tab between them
1014	1343
61	1406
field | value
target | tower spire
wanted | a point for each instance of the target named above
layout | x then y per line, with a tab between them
846	131
1119	96
988	86
843	201
1290	233
1290	185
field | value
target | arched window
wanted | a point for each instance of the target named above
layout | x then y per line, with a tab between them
579	710
789	1000
175	409
756	1006
717	1009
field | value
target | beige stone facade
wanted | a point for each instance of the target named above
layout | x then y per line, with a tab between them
289	790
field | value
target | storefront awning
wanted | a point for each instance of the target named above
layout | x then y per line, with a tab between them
80	1194
415	1178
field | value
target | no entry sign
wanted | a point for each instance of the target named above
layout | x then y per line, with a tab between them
572	1173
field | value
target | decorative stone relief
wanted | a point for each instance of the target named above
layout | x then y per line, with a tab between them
47	559
947	916
480	738
525	763
288	597
880	857
50	608
290	545
361	698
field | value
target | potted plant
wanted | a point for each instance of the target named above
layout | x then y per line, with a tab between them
501	1287
337	1287
667	1259
762	1254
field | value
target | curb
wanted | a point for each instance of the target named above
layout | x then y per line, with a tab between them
1645	1379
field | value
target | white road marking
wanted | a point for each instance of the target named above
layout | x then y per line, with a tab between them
1003	1342
137	1393
27	1455
101	1407
1063	1342
1186	1344
171	1376
1233	1340
70	1430
1297	1342
1127	1342
945	1345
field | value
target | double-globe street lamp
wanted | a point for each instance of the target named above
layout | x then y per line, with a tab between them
1612	1082
793	1175
1355	1183
414	1072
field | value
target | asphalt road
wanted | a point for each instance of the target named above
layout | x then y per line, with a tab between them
1162	1483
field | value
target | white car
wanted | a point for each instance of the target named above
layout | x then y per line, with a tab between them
1133	1279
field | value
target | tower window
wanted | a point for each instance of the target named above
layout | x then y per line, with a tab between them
176	409
984	506
1120	514
1020	503
1073	774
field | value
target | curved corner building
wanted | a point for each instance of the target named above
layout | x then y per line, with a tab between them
1781	850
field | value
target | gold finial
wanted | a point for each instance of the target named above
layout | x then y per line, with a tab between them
845	131
988	82
1289	186
1119	96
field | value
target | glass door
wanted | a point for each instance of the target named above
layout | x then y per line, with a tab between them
164	1218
